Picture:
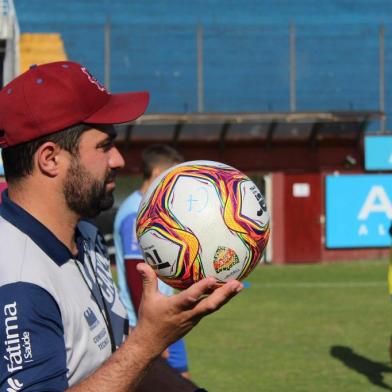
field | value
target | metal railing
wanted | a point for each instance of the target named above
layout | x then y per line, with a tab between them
9	32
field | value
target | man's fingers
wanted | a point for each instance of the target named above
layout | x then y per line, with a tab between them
218	298
206	294
150	281
188	298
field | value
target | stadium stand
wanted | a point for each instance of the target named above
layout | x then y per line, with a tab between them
40	48
153	47
289	89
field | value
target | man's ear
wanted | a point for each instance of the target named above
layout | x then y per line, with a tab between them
47	159
158	170
155	172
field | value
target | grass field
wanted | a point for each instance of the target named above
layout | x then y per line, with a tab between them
312	328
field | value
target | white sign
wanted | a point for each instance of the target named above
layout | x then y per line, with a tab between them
301	189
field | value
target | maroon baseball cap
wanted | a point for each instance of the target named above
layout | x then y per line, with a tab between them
54	96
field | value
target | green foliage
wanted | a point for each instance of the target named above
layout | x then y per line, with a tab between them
322	327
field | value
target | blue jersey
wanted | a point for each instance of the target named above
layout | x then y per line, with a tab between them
127	247
54	330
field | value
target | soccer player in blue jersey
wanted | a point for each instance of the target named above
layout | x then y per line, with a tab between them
155	160
62	324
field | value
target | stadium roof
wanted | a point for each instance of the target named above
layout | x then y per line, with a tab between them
268	128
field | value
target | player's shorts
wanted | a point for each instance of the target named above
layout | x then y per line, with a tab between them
177	356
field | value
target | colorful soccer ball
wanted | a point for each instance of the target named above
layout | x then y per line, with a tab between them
202	218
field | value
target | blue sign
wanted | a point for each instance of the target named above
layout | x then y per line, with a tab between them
1	165
378	152
358	210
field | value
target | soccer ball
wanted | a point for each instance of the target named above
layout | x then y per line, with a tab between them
202	218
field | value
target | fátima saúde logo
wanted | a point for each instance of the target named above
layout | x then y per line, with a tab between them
14	385
18	346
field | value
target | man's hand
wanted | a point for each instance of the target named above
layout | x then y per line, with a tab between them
163	320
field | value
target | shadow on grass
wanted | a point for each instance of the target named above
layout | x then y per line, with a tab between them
370	369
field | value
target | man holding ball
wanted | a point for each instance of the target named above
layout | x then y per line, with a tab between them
62	325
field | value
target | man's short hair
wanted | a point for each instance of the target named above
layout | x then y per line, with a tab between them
156	155
18	160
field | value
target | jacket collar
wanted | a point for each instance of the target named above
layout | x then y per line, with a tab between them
34	229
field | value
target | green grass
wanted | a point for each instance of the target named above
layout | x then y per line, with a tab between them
280	333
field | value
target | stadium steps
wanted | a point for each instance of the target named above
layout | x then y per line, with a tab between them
40	48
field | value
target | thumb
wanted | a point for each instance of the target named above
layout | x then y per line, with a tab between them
150	281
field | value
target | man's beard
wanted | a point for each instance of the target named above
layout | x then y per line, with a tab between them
84	194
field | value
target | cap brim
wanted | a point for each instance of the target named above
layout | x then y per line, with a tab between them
120	108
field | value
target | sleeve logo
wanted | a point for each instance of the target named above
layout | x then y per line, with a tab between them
12	341
15	385
17	346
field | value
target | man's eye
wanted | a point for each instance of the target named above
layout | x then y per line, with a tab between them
107	146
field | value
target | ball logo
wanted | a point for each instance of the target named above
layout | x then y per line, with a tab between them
224	259
259	197
152	257
92	79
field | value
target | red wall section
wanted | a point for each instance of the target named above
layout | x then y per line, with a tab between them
302	218
277	218
354	254
297	227
297	224
255	156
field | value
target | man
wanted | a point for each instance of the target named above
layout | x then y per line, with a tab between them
155	160
62	325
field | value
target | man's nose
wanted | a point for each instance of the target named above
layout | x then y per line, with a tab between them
116	160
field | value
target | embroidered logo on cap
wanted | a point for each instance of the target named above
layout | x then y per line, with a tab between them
92	79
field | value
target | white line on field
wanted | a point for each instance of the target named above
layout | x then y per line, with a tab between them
326	285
